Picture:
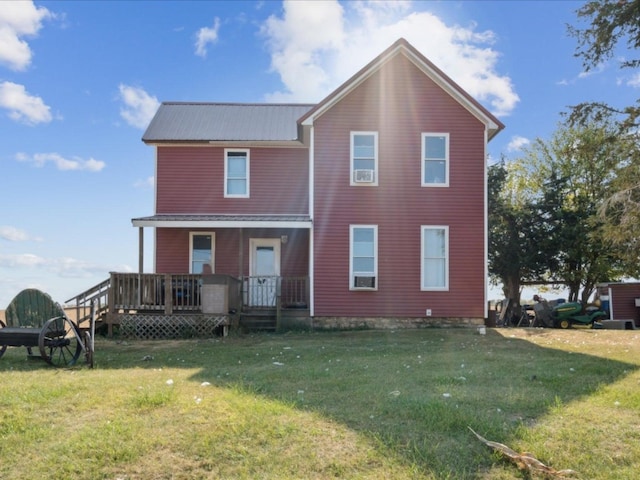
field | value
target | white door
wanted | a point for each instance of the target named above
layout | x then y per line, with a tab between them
264	271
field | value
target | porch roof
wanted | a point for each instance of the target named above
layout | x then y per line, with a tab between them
223	221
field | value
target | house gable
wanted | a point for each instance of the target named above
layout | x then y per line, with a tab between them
402	47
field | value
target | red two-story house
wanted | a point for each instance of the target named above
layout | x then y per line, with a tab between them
368	208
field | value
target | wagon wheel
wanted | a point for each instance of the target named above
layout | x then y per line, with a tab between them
564	323
59	344
3	348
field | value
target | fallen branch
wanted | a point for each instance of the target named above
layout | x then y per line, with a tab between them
525	461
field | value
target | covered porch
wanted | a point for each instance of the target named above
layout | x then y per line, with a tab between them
248	271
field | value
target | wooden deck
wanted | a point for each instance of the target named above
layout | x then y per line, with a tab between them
160	305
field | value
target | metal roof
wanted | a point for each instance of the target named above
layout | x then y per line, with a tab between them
223	221
210	122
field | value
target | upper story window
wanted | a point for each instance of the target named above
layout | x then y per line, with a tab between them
236	173
435	258
363	265
435	159
202	246
364	158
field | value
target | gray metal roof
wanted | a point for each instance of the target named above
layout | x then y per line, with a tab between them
207	122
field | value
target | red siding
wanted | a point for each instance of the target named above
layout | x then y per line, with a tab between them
400	103
172	247
191	180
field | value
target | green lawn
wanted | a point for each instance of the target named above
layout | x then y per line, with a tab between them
353	405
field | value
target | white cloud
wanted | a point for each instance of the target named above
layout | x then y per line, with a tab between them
139	107
148	182
517	143
634	81
21	260
64	267
315	46
598	69
22	106
13	234
206	36
19	19
62	163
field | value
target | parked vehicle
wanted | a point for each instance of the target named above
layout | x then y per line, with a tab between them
564	315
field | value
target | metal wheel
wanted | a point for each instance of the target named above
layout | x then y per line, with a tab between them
564	323
59	343
3	348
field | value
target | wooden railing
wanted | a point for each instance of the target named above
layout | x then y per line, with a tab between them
155	291
294	292
275	292
168	293
97	295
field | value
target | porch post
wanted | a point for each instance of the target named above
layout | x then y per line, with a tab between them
140	249
241	253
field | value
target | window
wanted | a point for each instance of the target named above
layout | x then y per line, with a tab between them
364	158
363	268
435	258
236	173
435	159
202	250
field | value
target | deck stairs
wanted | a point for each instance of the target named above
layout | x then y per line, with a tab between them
82	304
258	319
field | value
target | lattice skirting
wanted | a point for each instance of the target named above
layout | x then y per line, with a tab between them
150	326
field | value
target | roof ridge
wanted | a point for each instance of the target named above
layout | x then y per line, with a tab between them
241	104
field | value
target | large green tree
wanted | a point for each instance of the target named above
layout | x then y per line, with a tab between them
612	25
575	169
514	256
544	222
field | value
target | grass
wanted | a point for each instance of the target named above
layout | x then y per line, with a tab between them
352	405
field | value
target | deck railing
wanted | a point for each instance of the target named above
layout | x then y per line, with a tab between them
170	293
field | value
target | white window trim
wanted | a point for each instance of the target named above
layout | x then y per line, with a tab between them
375	259
226	166
423	159
424	228
351	158
213	249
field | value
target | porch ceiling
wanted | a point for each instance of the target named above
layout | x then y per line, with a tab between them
224	221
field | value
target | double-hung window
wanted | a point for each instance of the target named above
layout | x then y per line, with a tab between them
236	173
202	247
435	258
363	265
435	159
364	158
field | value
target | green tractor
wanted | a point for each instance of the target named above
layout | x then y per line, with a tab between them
564	315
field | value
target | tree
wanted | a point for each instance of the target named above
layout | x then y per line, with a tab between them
613	23
544	221
574	170
513	253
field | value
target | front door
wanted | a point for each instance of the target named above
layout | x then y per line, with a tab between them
264	271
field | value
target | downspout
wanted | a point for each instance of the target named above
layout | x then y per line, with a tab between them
311	211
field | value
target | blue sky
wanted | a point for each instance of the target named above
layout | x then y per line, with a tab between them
79	82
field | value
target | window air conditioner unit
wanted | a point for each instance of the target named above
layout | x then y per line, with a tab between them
363	176
364	282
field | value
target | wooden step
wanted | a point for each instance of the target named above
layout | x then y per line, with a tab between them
258	321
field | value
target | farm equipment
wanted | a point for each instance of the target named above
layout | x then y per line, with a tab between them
35	320
564	315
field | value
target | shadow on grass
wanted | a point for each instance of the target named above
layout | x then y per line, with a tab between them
413	392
